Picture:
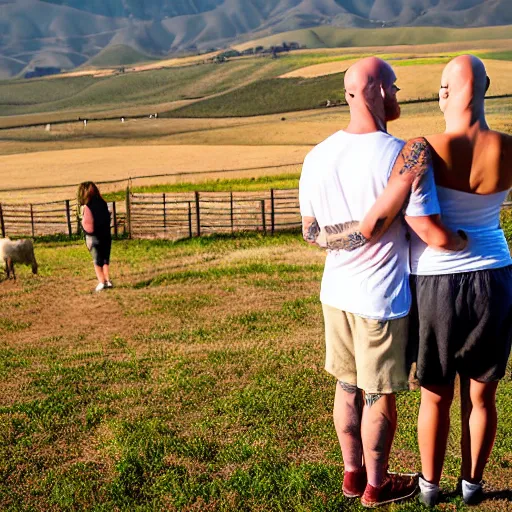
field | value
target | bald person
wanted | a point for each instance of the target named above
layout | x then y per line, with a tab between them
463	299
365	293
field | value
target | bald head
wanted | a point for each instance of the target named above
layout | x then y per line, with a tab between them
367	73
463	84
370	92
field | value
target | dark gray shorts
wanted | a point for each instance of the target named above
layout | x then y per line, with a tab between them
99	249
461	323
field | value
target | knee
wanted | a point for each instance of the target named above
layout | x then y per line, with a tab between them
487	401
438	397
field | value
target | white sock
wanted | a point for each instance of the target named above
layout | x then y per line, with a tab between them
468	488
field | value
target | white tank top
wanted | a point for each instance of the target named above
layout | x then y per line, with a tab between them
479	216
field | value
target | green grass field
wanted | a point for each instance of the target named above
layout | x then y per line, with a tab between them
196	384
278	181
269	97
118	55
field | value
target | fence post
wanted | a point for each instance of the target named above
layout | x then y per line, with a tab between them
2	223
263	220
68	218
198	215
77	213
165	221
189	219
32	219
128	212
114	214
272	212
231	212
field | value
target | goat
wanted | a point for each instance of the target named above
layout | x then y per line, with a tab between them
19	251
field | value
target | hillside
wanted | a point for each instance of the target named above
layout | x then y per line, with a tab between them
69	33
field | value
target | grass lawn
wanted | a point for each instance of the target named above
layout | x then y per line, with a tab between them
197	383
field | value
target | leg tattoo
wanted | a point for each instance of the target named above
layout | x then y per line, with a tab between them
349	388
371	398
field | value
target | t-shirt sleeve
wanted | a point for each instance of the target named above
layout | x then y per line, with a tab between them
423	199
306	205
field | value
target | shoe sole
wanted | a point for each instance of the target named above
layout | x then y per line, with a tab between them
380	503
351	496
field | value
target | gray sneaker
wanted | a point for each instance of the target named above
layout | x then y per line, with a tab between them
472	493
429	493
108	284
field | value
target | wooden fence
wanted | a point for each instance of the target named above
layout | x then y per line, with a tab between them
53	218
182	215
164	215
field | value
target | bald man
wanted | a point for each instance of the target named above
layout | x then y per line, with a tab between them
365	294
464	299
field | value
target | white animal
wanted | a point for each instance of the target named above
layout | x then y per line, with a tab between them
19	251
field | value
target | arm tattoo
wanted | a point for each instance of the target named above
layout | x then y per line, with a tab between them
311	233
344	236
417	160
371	398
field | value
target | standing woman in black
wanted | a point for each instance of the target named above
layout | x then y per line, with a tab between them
96	225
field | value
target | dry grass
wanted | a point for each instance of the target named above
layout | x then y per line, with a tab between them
110	150
165	63
64	167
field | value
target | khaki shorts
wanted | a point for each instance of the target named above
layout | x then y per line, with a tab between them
367	353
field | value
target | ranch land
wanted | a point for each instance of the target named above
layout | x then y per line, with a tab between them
197	383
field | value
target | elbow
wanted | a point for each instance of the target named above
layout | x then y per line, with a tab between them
437	240
446	241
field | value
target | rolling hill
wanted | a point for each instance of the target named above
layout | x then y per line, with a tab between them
69	33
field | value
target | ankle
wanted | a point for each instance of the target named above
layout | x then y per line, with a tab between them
430	481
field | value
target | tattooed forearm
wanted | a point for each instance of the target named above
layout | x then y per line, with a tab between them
311	232
344	236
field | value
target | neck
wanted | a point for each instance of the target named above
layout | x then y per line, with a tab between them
363	121
468	121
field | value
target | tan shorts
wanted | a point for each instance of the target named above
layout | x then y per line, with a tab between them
365	352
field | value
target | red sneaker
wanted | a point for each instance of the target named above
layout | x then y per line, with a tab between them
354	483
395	487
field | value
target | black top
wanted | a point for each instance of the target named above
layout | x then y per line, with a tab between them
101	218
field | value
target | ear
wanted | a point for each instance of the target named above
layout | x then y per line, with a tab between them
444	94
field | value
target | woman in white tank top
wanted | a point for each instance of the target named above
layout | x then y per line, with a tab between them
464	298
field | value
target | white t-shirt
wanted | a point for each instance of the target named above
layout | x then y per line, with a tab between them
340	181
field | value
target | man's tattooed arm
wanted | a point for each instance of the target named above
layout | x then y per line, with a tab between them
417	159
311	232
345	236
411	166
